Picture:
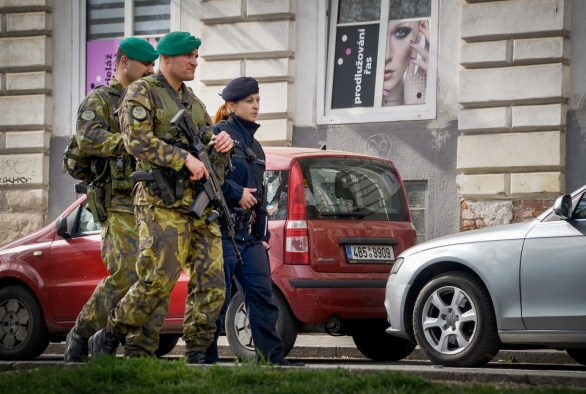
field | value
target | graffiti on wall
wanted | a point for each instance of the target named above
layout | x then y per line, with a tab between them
20	169
378	145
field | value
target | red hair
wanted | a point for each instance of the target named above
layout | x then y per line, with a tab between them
222	113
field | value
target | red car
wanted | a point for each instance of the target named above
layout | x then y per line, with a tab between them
47	277
337	220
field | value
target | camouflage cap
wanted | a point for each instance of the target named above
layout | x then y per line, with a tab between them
138	49
177	43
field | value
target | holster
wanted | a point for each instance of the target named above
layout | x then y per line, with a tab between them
96	202
99	192
260	224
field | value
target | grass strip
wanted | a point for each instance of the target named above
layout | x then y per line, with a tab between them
132	376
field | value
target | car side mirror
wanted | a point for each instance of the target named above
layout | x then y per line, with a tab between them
563	207
61	227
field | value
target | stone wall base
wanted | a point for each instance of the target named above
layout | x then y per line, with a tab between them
480	214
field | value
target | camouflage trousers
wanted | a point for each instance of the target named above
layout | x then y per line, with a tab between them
170	241
119	253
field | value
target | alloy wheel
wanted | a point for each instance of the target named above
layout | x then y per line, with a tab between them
242	328
14	323
449	320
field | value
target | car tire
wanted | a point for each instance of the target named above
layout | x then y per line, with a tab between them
23	332
377	345
454	321
167	342
579	355
287	323
238	330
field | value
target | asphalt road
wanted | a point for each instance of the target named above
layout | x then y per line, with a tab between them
548	368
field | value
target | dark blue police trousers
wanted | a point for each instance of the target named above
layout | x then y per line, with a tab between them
253	279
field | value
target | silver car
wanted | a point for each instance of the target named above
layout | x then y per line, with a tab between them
465	296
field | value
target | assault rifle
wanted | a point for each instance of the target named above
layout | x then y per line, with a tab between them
211	188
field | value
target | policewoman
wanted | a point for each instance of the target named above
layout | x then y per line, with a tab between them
243	191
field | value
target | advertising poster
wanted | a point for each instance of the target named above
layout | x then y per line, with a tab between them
355	66
406	56
101	61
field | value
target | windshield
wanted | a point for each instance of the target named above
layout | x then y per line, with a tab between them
354	189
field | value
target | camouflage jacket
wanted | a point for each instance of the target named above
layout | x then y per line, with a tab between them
145	115
98	132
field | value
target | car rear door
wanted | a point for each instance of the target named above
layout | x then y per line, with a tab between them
553	268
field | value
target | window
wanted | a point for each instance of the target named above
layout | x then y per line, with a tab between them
416	197
352	189
381	61
86	222
109	21
276	184
580	210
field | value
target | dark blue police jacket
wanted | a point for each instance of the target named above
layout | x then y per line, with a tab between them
248	172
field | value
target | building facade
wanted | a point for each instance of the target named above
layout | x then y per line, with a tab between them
482	113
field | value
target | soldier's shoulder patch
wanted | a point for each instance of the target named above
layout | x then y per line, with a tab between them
88	114
139	113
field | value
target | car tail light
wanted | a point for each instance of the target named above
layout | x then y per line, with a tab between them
296	236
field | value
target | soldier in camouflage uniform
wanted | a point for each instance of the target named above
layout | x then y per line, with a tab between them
170	238
98	134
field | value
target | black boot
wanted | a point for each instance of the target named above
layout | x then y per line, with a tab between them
76	347
197	357
102	342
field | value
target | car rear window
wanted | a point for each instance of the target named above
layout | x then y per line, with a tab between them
348	189
276	184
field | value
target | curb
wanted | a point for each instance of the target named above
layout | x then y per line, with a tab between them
551	357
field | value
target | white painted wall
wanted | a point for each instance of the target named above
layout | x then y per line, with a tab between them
63	105
578	56
306	63
448	59
189	20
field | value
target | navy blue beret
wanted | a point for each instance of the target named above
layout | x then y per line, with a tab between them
239	88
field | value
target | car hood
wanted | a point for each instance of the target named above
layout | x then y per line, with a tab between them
498	233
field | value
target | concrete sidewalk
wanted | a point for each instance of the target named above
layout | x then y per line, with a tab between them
342	347
327	346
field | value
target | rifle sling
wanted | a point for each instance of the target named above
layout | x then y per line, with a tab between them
170	90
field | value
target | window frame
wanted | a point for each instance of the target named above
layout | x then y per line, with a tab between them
327	24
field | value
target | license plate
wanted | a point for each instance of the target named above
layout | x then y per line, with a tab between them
370	254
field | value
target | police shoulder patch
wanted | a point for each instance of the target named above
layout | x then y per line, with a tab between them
139	113
88	114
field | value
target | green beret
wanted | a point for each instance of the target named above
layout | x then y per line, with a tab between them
138	49
177	43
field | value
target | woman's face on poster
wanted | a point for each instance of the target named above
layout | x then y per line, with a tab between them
398	51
